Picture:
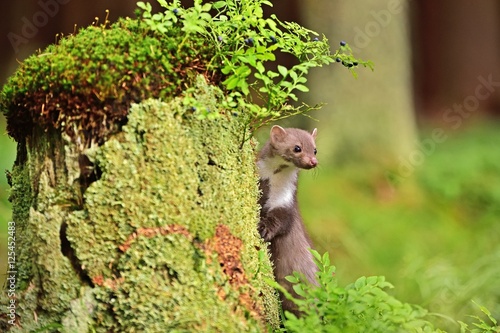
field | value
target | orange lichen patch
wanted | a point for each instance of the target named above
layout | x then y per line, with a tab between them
251	305
98	280
152	232
108	283
228	248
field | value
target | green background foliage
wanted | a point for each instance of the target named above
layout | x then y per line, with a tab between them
433	234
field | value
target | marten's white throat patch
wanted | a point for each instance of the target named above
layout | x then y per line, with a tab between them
282	177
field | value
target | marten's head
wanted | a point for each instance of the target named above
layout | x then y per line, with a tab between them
295	146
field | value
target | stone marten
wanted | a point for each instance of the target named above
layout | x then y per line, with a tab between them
278	163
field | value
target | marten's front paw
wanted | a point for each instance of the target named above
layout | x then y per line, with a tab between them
264	232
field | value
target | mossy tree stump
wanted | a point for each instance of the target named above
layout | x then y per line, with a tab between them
132	215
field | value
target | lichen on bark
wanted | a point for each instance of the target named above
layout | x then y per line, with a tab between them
146	233
164	239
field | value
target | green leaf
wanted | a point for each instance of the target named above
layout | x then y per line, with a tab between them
299	290
219	4
157	17
267	56
227	69
231	82
316	255
282	70
260	67
243	85
372	280
326	259
292	279
243	71
302	88
272	24
286	84
301	79
272	74
360	283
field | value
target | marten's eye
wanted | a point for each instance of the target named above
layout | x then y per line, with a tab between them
297	149
315	151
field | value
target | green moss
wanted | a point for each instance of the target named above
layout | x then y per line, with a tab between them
42	195
169	169
86	82
21	198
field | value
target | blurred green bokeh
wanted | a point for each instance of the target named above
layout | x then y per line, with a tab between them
434	233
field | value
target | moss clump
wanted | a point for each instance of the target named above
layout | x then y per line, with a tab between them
147	233
86	83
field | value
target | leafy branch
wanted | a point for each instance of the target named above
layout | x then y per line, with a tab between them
246	45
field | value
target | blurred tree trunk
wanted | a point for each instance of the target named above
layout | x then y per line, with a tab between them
369	119
457	42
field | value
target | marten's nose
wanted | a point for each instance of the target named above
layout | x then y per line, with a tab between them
313	162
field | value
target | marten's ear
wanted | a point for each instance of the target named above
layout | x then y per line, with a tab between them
278	133
314	133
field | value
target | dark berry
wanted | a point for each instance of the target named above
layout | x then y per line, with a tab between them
193	108
176	11
235	114
343	43
355	63
249	41
220	39
273	39
316	39
338	60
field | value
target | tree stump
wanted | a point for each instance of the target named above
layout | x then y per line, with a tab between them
132	214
